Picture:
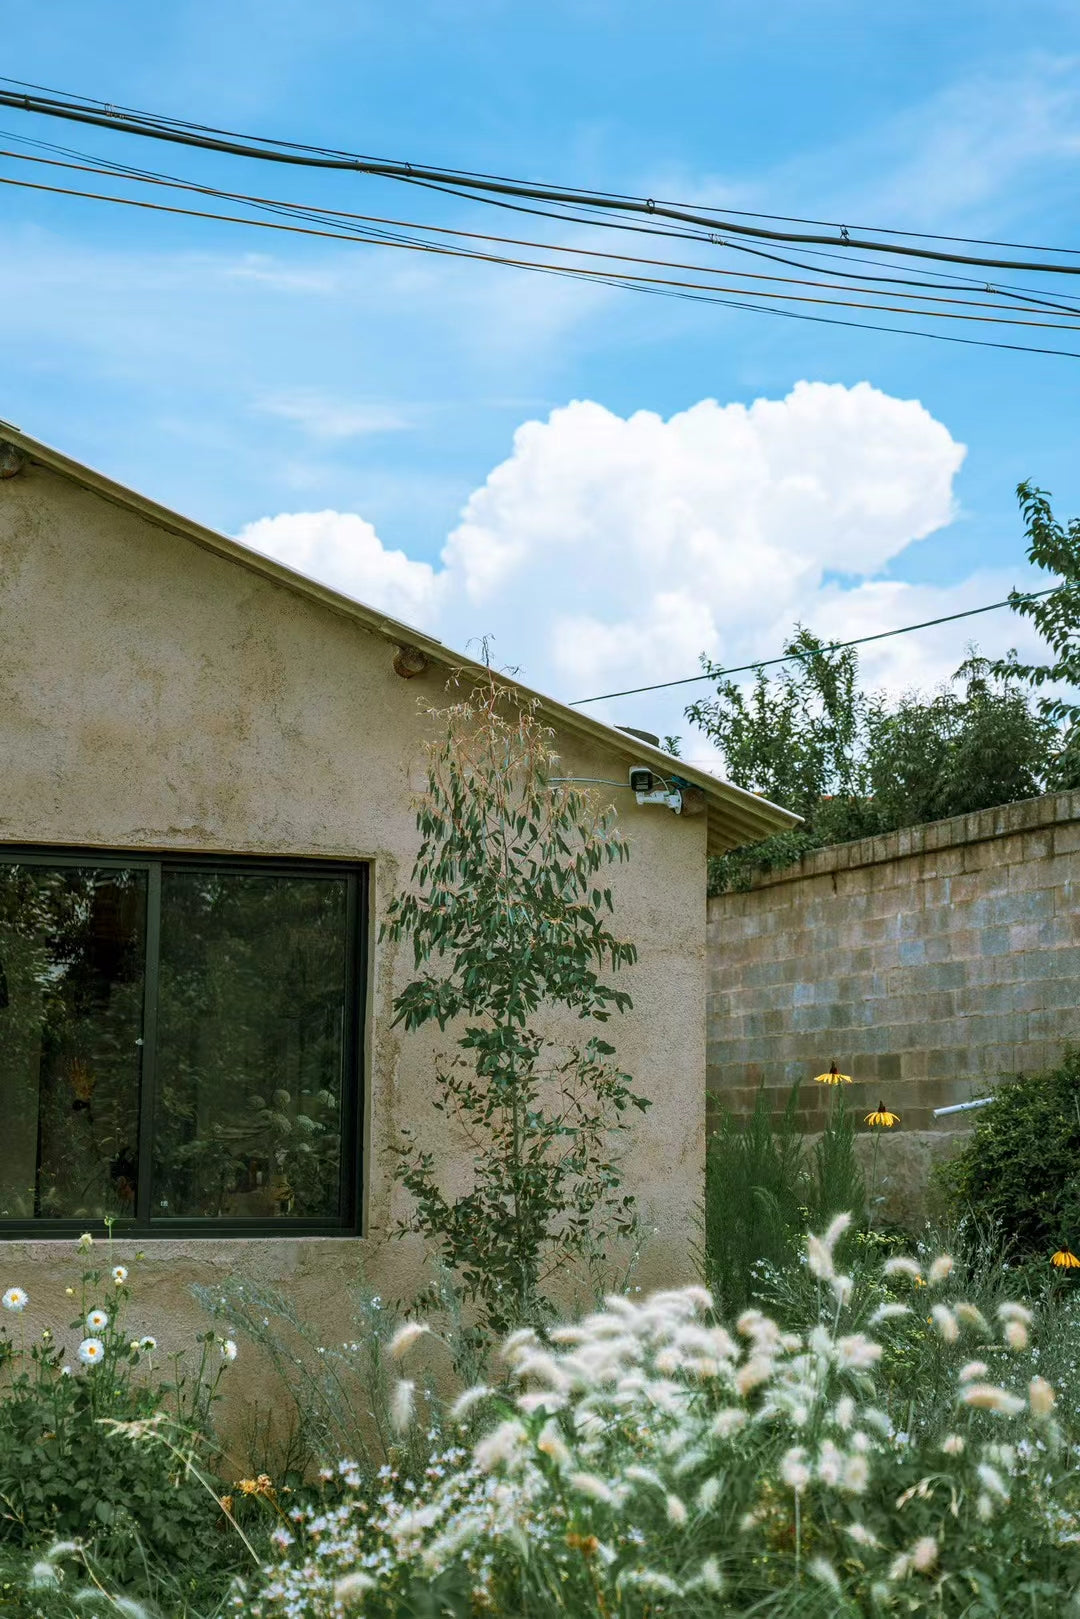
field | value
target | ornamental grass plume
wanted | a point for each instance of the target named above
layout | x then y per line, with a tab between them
667	1458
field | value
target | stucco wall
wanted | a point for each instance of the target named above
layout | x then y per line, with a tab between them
928	963
155	696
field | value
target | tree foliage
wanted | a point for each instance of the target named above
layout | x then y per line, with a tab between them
852	764
507	920
1054	546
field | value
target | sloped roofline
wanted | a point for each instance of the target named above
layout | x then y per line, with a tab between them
734	815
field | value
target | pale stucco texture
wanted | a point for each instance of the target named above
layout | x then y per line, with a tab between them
156	696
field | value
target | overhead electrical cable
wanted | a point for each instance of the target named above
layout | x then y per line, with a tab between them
132	121
945	280
654	285
833	646
314	213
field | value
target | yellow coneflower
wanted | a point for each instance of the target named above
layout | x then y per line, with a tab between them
1065	1259
882	1118
833	1077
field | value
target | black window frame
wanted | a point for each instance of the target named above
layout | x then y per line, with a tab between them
154	862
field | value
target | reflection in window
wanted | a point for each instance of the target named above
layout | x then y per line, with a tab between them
71	1002
240	978
251	1026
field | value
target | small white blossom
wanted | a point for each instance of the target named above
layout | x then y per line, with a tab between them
228	1349
15	1299
97	1321
119	1274
91	1350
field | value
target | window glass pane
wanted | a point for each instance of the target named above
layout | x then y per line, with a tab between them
71	997
251	1045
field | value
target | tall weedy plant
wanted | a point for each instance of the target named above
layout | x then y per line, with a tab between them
506	917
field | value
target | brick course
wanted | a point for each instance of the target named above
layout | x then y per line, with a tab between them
928	963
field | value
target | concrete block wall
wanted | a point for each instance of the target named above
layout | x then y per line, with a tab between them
927	963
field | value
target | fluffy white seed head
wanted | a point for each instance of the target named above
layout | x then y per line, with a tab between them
1040	1397
924	1554
901	1265
1016	1335
946	1323
402	1404
405	1337
940	1270
988	1397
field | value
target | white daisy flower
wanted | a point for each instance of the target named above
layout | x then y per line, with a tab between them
119	1274
85	1243
97	1321
229	1350
15	1299
91	1350
147	1344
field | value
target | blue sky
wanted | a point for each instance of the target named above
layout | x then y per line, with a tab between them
243	376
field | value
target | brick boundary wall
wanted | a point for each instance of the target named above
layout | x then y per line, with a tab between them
928	963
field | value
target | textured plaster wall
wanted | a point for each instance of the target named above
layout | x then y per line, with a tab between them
156	696
928	963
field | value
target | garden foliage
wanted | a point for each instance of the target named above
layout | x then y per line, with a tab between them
506	919
106	1444
652	1460
764	1187
1019	1170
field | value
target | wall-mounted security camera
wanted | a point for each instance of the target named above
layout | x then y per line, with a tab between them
649	788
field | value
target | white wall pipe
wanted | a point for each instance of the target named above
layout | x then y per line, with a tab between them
961	1107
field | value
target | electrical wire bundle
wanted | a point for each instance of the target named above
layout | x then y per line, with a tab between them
847	275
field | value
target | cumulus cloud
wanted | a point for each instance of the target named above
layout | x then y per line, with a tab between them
341	549
608	552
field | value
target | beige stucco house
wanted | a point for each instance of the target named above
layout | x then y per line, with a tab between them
206	766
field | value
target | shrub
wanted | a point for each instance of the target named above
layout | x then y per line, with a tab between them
69	1470
652	1461
1020	1169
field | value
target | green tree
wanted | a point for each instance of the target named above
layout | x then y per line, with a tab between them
851	764
960	750
506	921
1056	548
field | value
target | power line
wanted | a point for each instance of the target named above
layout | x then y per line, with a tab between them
654	285
835	646
154	126
337	216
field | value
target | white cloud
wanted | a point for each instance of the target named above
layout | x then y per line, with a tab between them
329	418
343	550
608	552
